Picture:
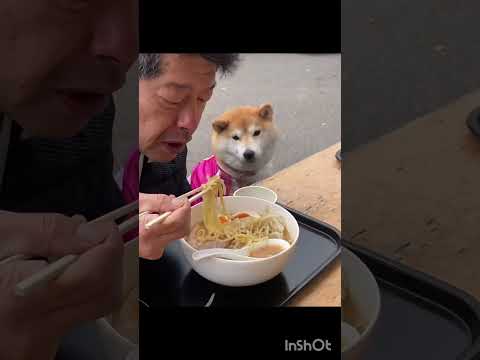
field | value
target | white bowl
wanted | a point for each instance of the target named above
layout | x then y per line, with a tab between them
364	295
259	192
243	273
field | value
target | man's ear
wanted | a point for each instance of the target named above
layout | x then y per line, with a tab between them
219	125
266	112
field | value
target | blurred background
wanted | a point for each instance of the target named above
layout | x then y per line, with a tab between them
125	127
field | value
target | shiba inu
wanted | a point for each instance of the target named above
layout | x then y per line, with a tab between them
243	142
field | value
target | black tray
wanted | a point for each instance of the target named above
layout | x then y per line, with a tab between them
338	155
473	121
420	317
171	281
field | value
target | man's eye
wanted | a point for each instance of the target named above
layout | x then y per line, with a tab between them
256	133
201	100
235	137
169	102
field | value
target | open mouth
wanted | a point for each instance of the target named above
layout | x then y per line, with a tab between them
175	147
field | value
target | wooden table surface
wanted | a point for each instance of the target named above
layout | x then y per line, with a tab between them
313	186
431	168
424	180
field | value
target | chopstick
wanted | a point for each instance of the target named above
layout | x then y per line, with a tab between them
198	196
44	275
157	219
13	258
168	213
194	191
57	267
54	269
115	214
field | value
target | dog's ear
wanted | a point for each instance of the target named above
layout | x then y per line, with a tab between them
266	112
219	125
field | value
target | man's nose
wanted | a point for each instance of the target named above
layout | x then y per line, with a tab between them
189	117
115	34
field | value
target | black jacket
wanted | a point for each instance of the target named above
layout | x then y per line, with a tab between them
68	176
162	178
165	178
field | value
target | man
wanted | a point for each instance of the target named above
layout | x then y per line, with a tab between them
61	64
173	92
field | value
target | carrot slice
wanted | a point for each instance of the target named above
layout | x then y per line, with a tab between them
223	219
241	215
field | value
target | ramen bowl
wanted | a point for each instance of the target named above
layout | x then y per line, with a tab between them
362	306
237	273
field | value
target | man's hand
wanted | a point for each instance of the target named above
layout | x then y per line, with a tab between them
153	241
32	325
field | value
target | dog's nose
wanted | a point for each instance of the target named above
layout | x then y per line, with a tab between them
249	155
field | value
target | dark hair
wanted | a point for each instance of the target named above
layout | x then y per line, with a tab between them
150	65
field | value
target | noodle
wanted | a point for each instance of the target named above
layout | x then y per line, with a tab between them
221	229
215	188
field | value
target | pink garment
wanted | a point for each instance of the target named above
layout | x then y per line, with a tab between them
130	186
206	169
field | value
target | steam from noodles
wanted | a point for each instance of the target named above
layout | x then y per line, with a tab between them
221	229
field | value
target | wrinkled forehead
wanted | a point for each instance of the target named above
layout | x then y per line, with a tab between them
186	72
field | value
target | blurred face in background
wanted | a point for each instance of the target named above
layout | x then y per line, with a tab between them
63	59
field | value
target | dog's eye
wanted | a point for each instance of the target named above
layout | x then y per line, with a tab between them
256	133
235	137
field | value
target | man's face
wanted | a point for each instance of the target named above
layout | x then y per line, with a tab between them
62	59
172	104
